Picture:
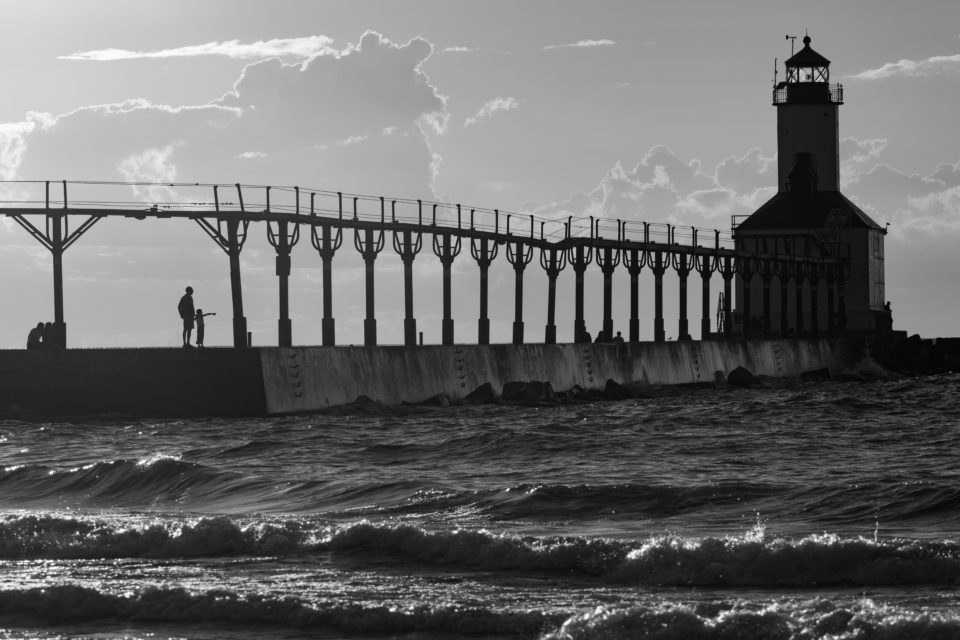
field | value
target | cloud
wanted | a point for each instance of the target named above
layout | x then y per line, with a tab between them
581	44
13	137
491	107
296	114
856	154
935	65
304	48
654	190
351	140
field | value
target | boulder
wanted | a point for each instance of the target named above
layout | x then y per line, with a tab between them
615	391
484	394
543	391
439	400
575	394
821	374
741	377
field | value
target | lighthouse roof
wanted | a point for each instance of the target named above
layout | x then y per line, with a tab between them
807	57
811	210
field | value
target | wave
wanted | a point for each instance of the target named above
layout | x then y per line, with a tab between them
746	560
72	604
164	482
776	620
56	537
817	618
155	481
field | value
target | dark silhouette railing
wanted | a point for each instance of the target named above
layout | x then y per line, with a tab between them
807	92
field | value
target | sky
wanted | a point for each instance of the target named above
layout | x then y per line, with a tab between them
637	110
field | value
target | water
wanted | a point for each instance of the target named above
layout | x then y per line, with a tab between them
805	510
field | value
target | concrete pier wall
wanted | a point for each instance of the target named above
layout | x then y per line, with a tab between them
139	382
309	378
278	380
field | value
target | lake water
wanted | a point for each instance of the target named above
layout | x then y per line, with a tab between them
802	510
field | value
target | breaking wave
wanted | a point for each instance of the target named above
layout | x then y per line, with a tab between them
781	619
747	560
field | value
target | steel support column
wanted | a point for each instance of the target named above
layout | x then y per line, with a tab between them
579	257
634	260
705	266
283	241
447	248
369	246
408	248
326	243
658	268
484	254
682	267
608	258
519	255
727	273
552	265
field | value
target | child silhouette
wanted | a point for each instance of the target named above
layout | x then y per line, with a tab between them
200	315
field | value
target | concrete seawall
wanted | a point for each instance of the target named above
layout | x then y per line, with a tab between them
310	378
272	380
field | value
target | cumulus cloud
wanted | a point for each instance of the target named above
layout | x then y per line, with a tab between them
856	155
13	136
653	190
304	48
306	117
491	107
934	65
581	44
663	187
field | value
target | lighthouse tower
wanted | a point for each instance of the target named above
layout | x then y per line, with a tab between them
813	259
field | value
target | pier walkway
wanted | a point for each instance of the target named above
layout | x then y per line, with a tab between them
58	213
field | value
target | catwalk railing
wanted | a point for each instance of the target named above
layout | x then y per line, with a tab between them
224	212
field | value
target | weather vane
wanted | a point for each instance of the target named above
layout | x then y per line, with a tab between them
792	39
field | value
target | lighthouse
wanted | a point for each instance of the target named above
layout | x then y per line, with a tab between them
811	260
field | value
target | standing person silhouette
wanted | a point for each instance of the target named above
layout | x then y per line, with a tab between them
35	337
188	314
199	318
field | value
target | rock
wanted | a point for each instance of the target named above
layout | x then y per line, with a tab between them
741	377
615	391
821	374
484	394
543	391
575	394
362	399
439	400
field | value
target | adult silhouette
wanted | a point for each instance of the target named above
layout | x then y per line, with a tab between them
188	314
